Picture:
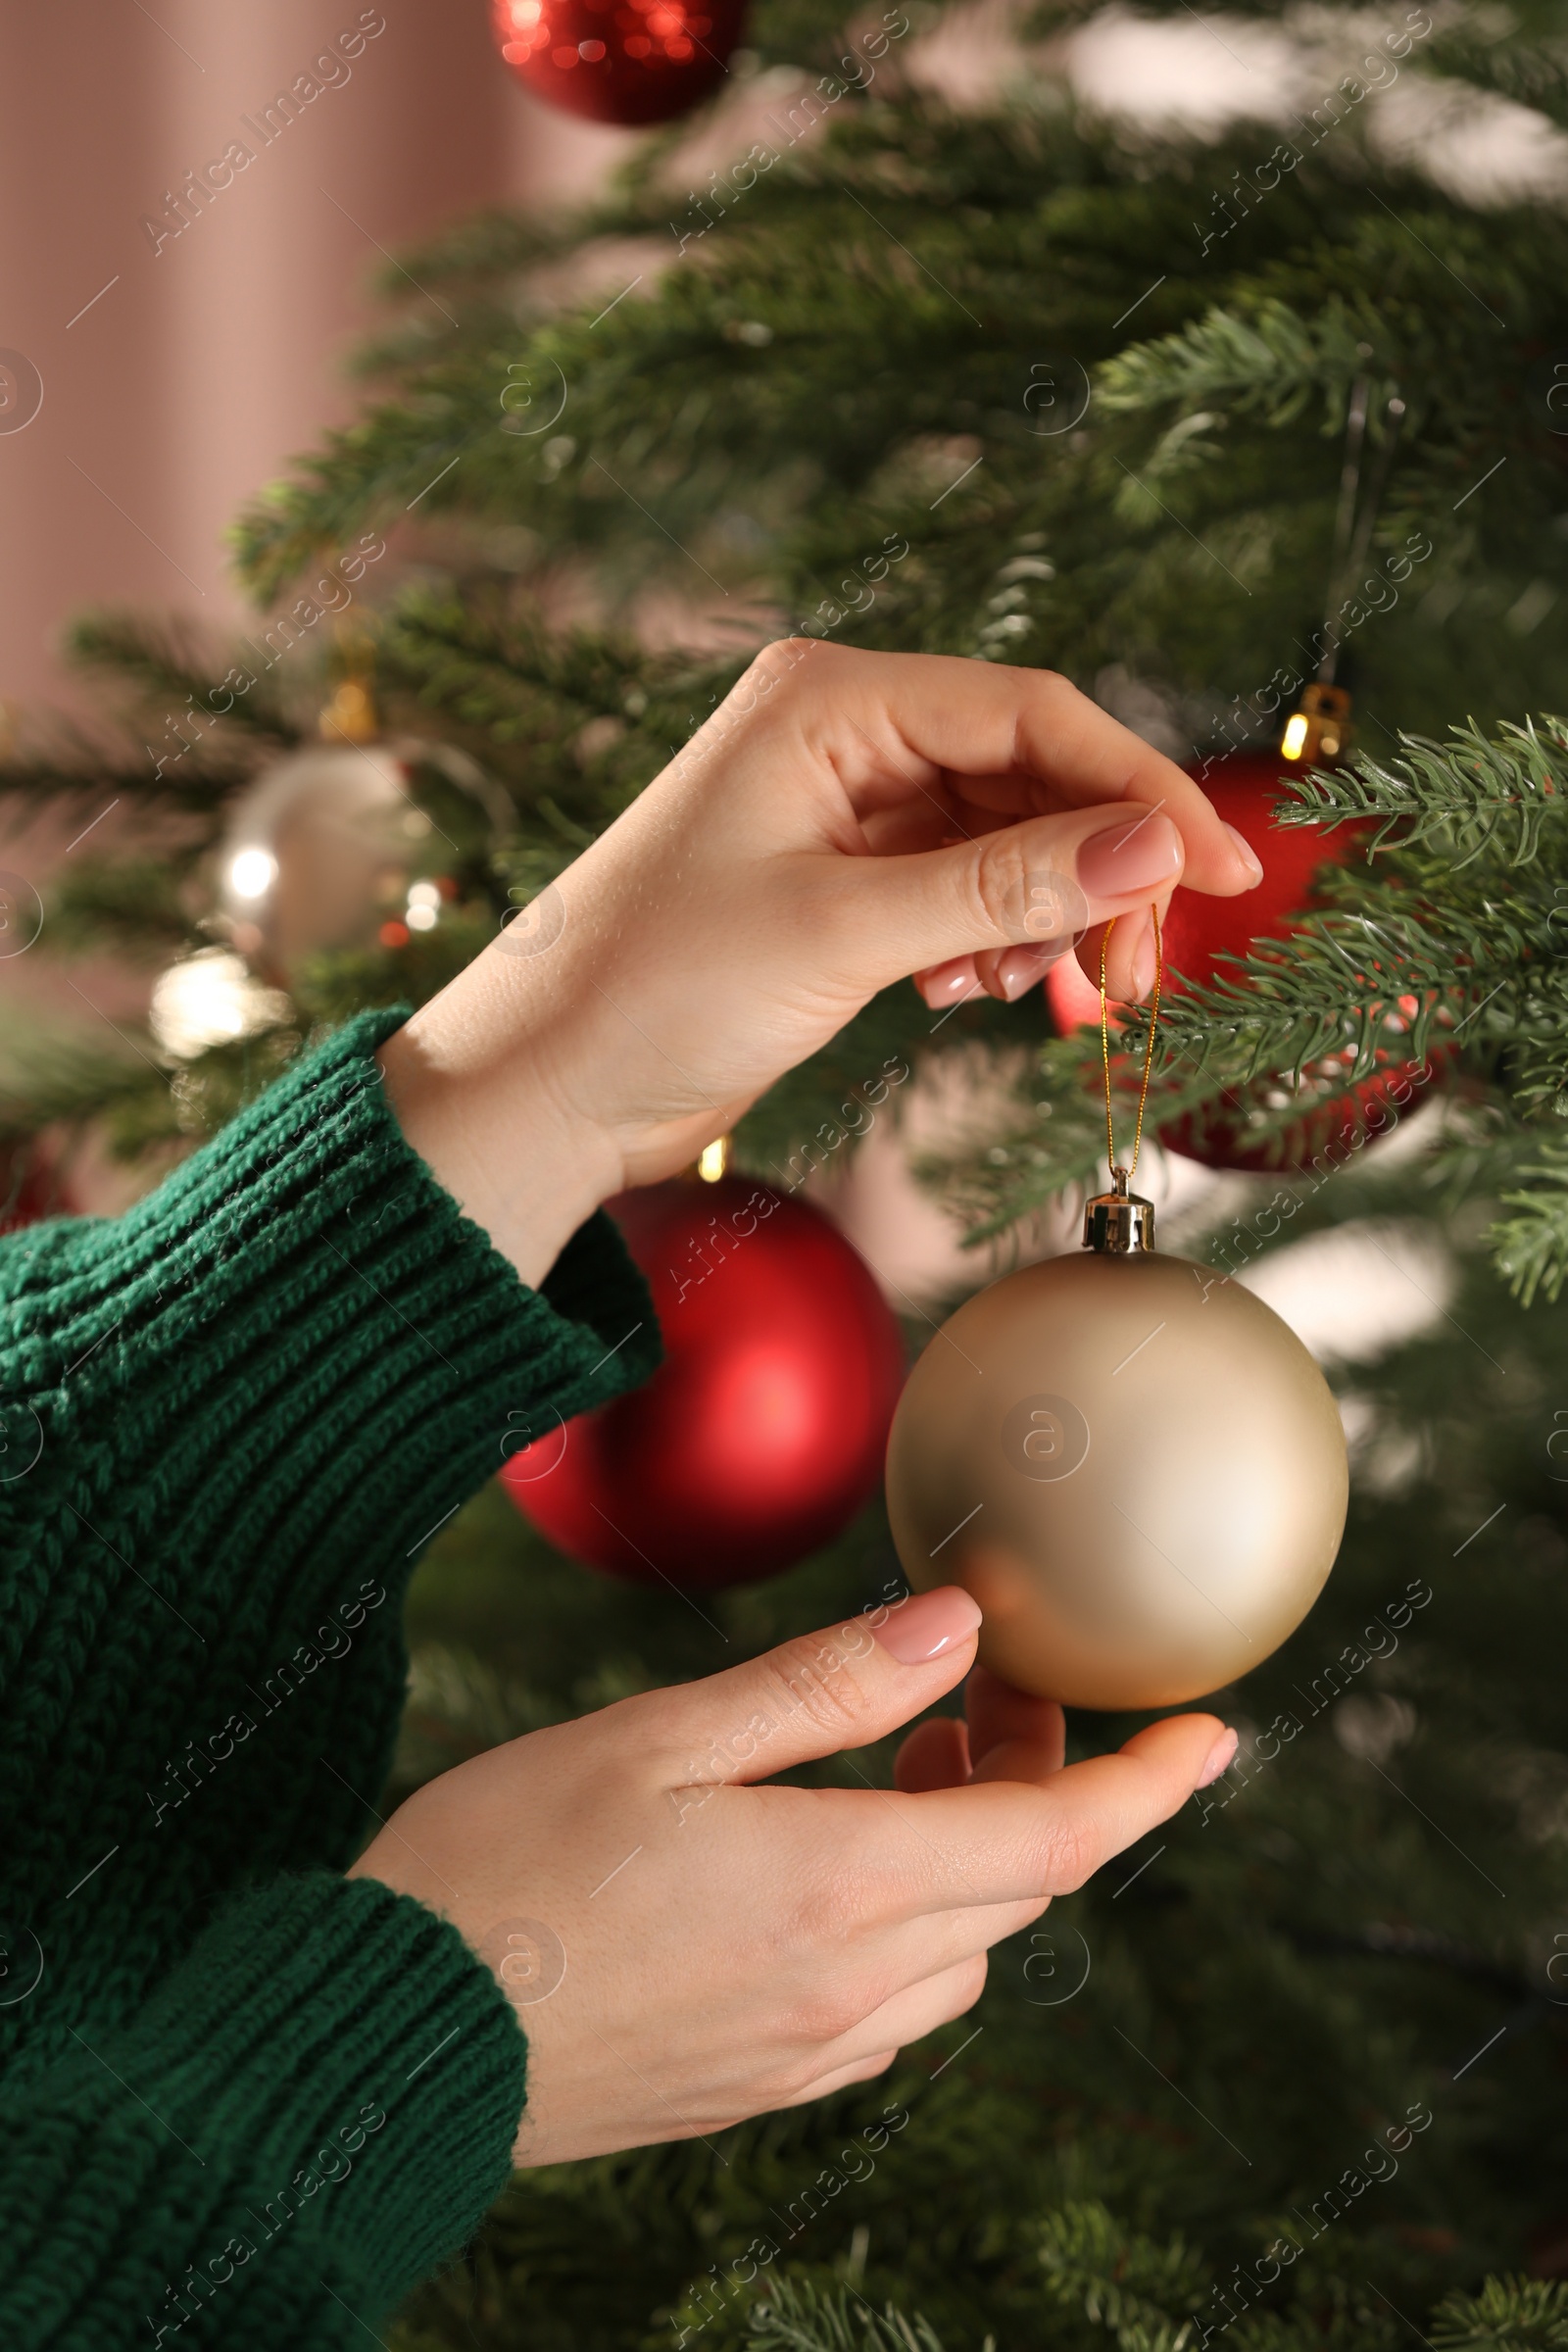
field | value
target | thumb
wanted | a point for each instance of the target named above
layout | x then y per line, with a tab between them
1042	884
818	1694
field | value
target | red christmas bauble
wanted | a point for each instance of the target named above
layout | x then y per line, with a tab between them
762	1432
29	1188
620	61
1334	1115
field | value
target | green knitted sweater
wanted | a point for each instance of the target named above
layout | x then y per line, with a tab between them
243	2100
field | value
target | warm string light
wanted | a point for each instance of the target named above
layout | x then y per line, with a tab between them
1128	1173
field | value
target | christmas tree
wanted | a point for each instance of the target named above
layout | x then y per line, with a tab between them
1205	423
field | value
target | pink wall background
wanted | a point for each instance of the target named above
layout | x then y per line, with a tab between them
185	385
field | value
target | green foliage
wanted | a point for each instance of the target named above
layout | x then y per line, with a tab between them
801	2319
130	903
1466	795
1275	365
1509	2315
1531	1246
1121	2280
1006	382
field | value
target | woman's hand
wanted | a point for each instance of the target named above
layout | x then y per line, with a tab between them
687	1947
844	820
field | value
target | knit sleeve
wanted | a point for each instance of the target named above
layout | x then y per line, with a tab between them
259	1309
312	2110
237	1415
230	1421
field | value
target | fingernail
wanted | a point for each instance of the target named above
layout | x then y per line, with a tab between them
1021	968
928	1625
946	983
1130	856
1219	1756
1144	965
1247	855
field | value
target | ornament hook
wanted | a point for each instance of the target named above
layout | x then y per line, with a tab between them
1121	1222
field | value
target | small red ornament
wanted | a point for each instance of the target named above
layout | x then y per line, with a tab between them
29	1188
1198	930
762	1432
620	61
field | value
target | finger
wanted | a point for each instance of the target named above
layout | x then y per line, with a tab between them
1133	962
811	1697
1133	958
920	1954
1008	973
1131	951
926	1947
1012	1736
1037	885
999	1842
934	1755
841	2078
888	722
945	985
912	2012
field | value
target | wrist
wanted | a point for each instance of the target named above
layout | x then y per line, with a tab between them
482	1114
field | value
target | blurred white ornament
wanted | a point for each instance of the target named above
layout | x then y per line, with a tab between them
1374	1725
331	848
211	999
1352	1293
423	910
252	873
317	852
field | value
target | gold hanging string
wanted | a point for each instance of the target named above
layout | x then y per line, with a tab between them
1128	1173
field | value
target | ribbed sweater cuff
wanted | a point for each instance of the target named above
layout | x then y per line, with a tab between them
305	1341
316	1168
313	2111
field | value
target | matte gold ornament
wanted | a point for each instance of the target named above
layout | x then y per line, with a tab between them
1131	1462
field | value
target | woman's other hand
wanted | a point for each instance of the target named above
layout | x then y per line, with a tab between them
687	1946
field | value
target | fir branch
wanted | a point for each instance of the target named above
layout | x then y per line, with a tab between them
74	775
133	904
801	2316
1142	2293
1531	1247
58	1078
481	250
575	722
1272	362
168	677
1509	2315
1337	990
1479	953
1472	793
1049	1134
1528	73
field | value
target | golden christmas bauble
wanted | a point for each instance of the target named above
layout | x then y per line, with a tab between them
1131	1462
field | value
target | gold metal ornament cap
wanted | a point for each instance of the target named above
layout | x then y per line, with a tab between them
350	717
1320	729
1119	1223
